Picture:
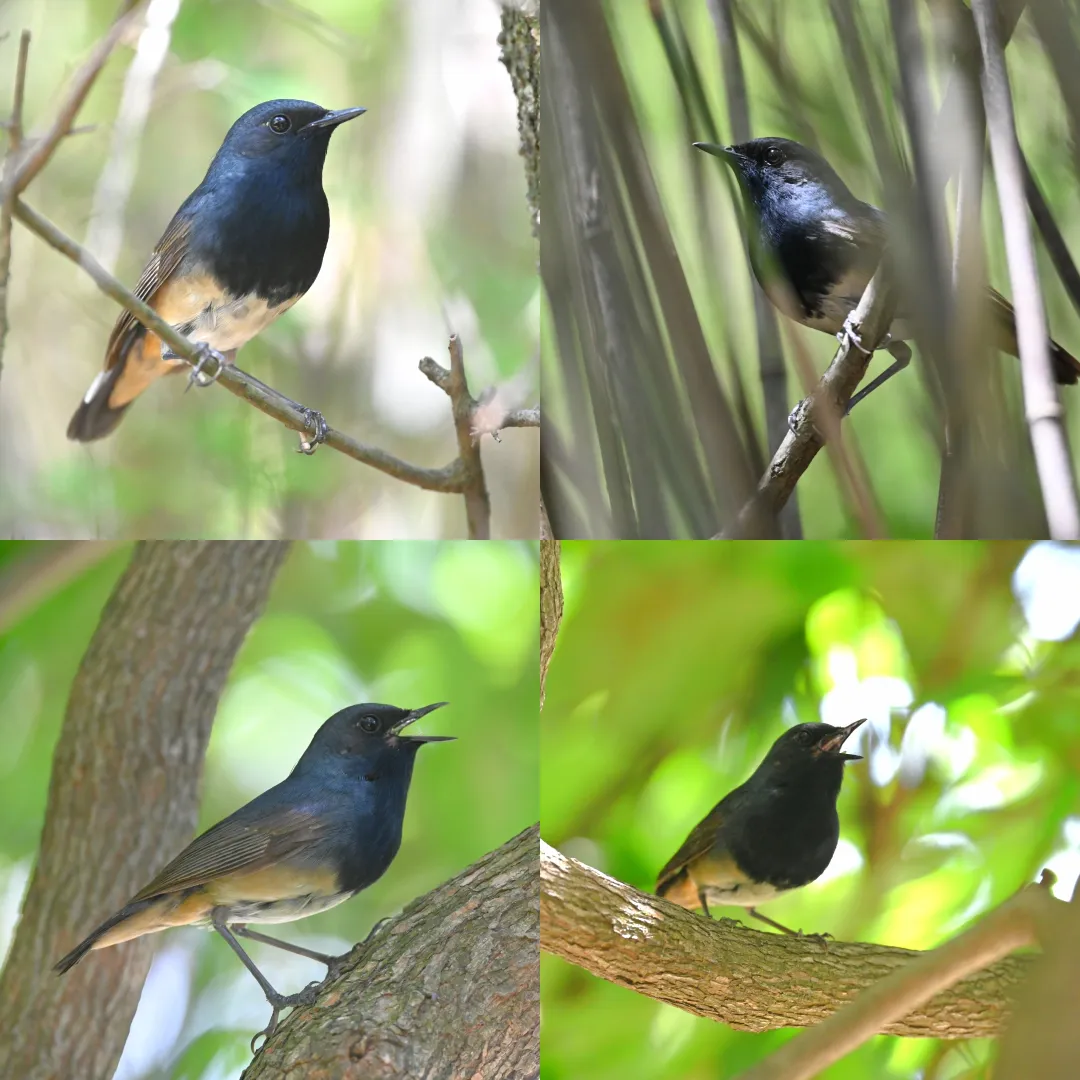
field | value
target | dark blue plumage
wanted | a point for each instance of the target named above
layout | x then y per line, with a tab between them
244	246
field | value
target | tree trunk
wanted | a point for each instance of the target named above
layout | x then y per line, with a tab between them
448	990
124	793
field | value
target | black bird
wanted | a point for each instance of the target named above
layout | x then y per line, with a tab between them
245	245
776	832
330	829
814	246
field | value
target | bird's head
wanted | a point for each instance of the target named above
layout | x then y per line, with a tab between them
285	130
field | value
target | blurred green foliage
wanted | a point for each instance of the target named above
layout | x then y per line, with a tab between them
430	233
676	667
407	623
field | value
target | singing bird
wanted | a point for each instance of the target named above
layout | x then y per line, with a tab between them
814	247
244	246
328	830
776	832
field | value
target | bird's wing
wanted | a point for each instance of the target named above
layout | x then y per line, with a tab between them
163	261
700	840
242	843
1003	336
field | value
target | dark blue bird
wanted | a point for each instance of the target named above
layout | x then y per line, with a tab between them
328	830
245	245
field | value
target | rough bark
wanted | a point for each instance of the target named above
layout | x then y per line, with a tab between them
520	42
551	605
449	990
745	978
124	793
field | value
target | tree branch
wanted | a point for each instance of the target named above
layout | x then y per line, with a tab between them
551	605
747	979
824	409
124	792
1042	404
449	988
1010	927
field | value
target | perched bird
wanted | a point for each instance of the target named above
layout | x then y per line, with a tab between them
776	832
814	246
245	245
328	830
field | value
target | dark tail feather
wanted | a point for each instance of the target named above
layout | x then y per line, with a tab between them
94	418
1066	366
80	950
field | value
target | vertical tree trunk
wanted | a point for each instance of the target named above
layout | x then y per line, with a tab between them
124	793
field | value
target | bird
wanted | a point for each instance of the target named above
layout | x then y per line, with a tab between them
776	832
814	247
330	829
244	246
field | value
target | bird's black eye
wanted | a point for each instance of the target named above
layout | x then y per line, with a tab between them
370	724
280	124
774	156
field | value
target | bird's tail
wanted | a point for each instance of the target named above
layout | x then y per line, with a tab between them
1066	366
95	417
80	950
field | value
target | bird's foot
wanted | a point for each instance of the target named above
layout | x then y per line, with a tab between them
197	376
847	335
374	930
317	424
798	414
821	939
307	996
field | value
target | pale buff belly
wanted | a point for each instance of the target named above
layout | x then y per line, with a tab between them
743	894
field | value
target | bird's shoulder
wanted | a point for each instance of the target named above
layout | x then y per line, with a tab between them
706	834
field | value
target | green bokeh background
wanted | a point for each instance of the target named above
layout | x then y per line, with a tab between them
430	233
676	667
407	623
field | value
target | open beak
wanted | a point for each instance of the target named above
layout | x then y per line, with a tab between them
832	745
415	715
334	117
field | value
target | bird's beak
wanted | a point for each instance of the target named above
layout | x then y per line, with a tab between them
334	117
832	746
415	715
727	153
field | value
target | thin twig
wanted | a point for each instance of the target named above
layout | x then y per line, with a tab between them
463	405
35	158
7	197
449	478
870	322
1041	402
1006	929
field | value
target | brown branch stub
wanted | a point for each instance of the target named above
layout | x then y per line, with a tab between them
477	501
449	988
551	604
870	322
745	978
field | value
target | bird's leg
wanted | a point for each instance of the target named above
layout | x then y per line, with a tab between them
794	933
313	417
277	1001
333	963
704	903
901	354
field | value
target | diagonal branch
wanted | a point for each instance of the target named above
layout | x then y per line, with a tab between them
747	979
822	410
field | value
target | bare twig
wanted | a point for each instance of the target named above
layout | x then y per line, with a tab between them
870	322
477	502
748	979
1013	925
449	478
35	158
1042	406
7	198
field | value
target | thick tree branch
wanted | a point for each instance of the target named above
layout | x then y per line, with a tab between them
1041	402
124	793
449	988
745	978
821	413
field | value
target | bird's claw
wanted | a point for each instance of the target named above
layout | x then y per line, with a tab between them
198	377
823	939
796	416
847	335
372	932
317	424
307	996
